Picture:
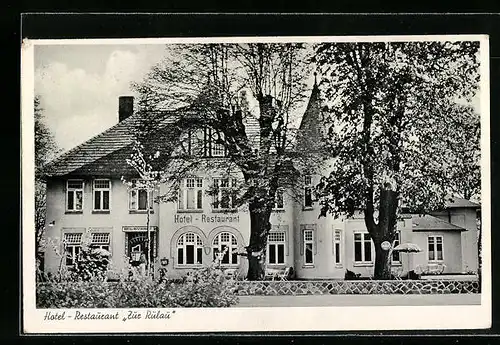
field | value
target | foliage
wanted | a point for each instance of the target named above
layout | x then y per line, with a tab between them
402	129
91	265
241	96
45	149
206	287
89	285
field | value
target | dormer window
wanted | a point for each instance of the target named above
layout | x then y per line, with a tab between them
214	143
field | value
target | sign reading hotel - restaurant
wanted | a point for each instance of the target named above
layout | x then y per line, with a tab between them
189	218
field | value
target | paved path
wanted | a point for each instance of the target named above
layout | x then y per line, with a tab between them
357	300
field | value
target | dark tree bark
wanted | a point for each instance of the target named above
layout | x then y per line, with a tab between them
385	230
256	250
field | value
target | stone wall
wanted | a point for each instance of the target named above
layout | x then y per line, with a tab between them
273	288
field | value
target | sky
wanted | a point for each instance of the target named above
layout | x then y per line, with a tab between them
79	85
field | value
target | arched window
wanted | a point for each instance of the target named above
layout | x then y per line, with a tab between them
226	243
189	249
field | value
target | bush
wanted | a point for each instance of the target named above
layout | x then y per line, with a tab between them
205	287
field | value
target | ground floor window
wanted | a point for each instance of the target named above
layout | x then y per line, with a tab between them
308	247
225	248
362	248
337	247
72	247
276	247
189	249
100	240
435	248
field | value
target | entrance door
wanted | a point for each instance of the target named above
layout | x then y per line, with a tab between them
137	244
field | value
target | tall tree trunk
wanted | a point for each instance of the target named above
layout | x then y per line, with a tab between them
382	262
256	250
385	231
148	260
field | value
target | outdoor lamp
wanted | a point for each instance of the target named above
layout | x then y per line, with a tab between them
164	261
52	223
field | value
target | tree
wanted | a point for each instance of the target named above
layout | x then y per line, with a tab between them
399	122
150	181
242	97
45	149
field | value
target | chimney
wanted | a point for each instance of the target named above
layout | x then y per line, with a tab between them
125	107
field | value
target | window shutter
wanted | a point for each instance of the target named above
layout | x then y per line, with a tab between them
315	239
302	228
287	239
334	234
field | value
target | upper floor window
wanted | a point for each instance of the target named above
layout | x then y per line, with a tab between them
435	248
308	202
102	192
278	200
276	247
225	194
214	143
195	142
72	247
139	198
189	249
225	248
362	248
191	194
74	195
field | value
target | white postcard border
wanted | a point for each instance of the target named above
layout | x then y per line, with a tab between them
252	319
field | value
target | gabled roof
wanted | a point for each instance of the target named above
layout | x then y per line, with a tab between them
455	202
431	223
97	151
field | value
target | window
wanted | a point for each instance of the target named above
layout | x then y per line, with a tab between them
189	249
337	247
214	143
308	202
139	198
72	247
308	247
191	194
100	240
74	195
225	194
278	203
226	243
435	246
195	142
396	255
362	248
102	190
276	248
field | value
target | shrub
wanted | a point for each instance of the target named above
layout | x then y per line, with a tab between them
205	287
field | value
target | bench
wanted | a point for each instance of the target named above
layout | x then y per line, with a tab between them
278	273
430	269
